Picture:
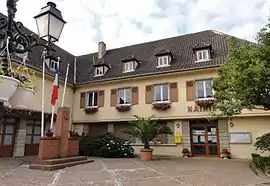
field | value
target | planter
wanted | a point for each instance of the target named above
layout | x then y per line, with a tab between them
8	86
91	110
123	108
161	106
48	148
186	153
22	98
146	154
73	146
205	102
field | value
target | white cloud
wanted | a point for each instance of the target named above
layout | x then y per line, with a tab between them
121	22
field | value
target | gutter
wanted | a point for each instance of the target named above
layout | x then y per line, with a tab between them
149	74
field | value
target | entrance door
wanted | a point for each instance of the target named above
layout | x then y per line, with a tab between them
204	139
7	137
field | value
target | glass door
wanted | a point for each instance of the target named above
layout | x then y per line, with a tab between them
7	137
204	140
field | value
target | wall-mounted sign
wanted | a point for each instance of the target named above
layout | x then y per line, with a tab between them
200	109
240	137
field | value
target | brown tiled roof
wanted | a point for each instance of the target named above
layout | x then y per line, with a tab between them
181	48
36	62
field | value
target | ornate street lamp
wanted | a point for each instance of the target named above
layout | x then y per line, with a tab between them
50	24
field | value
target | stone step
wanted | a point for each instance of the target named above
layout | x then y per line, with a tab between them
60	160
59	165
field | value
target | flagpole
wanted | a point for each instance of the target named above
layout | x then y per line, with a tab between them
65	86
51	125
53	100
42	95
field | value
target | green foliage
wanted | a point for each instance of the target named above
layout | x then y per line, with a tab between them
27	81
244	80
107	146
146	129
263	142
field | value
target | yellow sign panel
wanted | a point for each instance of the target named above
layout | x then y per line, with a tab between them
177	139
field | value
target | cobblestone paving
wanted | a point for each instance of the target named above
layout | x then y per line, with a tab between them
133	172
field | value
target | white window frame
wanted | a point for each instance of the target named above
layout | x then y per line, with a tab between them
129	66
125	96
204	89
20	55
93	101
53	64
204	58
161	61
161	87
101	71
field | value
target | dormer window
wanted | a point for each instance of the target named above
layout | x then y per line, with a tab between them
202	55
130	63
163	61
164	58
99	71
20	55
53	65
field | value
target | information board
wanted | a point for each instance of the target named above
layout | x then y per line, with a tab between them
240	137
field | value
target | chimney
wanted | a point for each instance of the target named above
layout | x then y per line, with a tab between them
101	49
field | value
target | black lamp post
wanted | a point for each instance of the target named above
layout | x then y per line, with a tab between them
50	24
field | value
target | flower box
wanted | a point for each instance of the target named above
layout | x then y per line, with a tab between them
91	110
162	106
8	86
22	98
123	108
225	154
205	102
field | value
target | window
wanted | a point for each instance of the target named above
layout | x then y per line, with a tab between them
92	99
129	66
53	65
124	96
163	61
202	55
21	55
99	71
33	130
161	93
204	88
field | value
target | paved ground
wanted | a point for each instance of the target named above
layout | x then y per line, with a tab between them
133	172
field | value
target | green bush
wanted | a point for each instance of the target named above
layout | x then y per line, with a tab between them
107	146
263	142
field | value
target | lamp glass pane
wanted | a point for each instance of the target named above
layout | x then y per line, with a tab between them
42	26
56	26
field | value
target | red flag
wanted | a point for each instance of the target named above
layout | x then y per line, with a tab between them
55	87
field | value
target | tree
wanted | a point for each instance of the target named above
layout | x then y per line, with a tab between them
243	81
146	129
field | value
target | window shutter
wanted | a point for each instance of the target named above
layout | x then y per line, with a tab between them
190	90
113	97
135	96
148	94
174	92
82	100
101	98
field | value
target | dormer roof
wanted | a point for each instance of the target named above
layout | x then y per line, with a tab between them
163	52
101	62
202	45
130	57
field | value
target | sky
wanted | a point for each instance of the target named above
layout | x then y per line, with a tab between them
126	22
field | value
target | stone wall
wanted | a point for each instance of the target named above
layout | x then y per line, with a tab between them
223	135
20	139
